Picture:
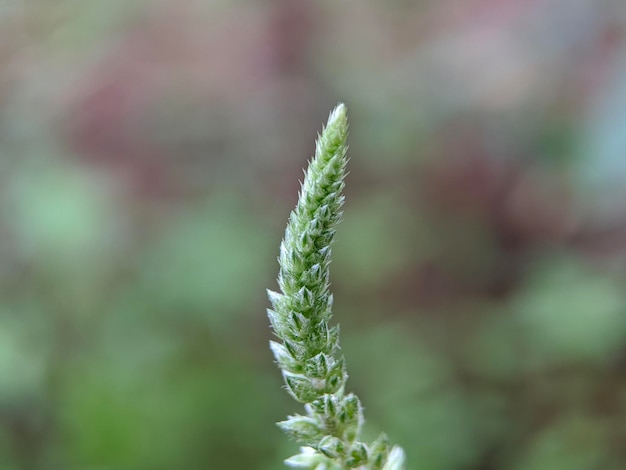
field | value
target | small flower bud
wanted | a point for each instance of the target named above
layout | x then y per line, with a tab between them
358	455
379	451
331	447
351	417
301	388
284	359
396	458
307	458
302	429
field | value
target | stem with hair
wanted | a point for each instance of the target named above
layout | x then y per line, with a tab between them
308	354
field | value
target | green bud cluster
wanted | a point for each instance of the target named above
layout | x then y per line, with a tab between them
309	354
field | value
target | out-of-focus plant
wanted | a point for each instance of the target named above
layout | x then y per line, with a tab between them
312	366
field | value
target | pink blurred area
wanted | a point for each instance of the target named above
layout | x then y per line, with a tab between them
159	92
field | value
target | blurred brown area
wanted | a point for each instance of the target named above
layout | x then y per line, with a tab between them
150	152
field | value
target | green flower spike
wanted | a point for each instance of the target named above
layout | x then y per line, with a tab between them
309	354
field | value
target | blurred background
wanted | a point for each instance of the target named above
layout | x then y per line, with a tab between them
150	153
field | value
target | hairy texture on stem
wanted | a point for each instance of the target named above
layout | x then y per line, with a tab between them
308	353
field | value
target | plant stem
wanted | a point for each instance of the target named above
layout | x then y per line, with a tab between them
309	354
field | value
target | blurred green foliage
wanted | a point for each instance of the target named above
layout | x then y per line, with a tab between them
149	157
